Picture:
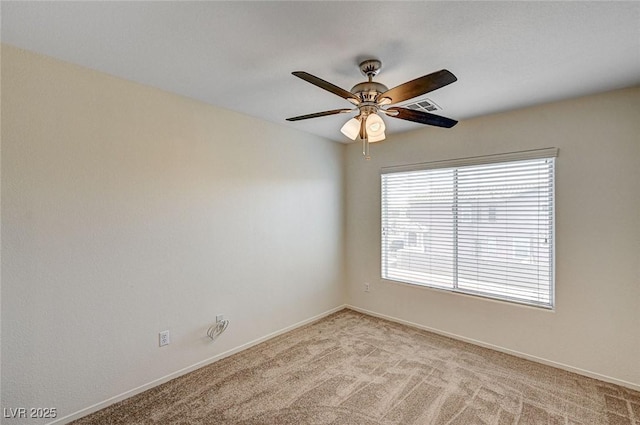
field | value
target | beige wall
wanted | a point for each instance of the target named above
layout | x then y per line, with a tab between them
127	210
595	326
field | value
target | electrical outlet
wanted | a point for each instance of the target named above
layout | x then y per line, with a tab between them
367	288
164	338
219	318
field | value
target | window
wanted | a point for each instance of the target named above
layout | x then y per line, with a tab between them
486	225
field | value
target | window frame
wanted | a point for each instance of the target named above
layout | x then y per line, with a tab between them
538	154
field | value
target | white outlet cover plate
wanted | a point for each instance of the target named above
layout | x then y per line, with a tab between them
164	338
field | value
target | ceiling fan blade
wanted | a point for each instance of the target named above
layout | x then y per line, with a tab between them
419	86
327	86
421	117
320	114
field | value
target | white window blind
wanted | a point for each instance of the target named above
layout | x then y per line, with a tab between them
481	226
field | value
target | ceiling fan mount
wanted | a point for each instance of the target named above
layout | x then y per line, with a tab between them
370	67
369	98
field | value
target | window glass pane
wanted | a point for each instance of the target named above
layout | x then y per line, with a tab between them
418	227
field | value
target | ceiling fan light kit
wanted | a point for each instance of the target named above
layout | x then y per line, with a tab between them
370	96
351	128
378	138
375	126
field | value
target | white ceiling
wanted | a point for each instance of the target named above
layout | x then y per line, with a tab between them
240	55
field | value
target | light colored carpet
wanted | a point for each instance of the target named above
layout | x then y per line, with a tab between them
354	369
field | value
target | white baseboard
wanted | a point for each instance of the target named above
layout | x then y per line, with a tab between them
536	359
101	405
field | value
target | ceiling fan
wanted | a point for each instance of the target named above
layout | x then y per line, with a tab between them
370	97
